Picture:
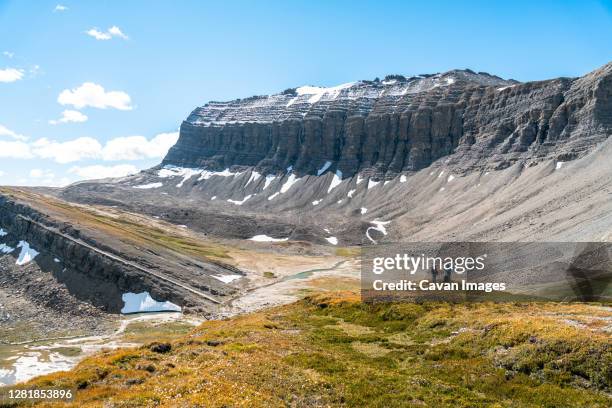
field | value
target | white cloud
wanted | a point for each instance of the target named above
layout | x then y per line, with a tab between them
60	7
114	31
67	152
15	150
121	148
94	95
4	131
70	116
98	171
138	147
10	74
8	54
37	173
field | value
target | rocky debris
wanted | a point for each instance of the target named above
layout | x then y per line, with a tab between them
160	347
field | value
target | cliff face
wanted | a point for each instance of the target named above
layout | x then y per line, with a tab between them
387	127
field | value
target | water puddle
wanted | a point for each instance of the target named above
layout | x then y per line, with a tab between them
21	362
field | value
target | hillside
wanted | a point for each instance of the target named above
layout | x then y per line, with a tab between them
431	154
332	350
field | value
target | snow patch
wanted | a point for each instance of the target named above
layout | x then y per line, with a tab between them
350	193
332	240
265	238
316	202
318	92
378	226
403	178
213	198
150	185
56	260
289	183
5	249
269	179
241	201
143	302
3	233
324	168
227	278
372	183
27	254
441	174
450	178
335	181
559	165
359	179
273	196
206	174
363	210
254	177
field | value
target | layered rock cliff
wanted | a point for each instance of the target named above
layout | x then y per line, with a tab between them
400	124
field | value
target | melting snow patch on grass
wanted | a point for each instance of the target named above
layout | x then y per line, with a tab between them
265	238
27	254
143	302
150	185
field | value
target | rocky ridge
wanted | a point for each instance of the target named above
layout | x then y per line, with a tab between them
383	128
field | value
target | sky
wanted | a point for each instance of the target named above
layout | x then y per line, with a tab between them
92	89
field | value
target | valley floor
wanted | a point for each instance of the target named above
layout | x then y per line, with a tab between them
331	349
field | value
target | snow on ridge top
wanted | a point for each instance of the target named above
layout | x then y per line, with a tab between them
318	92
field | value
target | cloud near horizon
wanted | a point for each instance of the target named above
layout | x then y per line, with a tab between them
82	148
99	171
90	94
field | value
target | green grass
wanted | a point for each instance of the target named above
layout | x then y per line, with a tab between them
333	350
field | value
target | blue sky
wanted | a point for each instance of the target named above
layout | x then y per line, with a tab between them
124	74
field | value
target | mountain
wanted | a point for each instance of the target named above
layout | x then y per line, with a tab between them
430	154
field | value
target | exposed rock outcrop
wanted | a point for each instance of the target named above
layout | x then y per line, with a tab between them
382	128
